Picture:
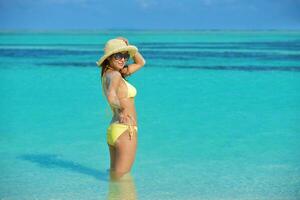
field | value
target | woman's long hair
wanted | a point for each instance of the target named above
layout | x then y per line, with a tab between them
104	66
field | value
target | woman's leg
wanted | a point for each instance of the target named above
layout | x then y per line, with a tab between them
112	153
123	189
125	150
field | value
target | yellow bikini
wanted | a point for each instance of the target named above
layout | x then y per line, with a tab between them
116	129
131	91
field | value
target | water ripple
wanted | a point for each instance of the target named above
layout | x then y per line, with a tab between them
229	68
150	54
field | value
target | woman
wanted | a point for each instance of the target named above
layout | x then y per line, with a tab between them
122	132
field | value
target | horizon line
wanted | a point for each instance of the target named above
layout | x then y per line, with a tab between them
145	29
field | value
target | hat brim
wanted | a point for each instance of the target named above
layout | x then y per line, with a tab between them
130	48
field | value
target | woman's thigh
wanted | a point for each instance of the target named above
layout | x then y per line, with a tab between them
125	150
112	152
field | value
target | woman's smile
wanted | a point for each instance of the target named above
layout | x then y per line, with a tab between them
121	64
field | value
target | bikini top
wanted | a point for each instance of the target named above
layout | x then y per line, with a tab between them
131	91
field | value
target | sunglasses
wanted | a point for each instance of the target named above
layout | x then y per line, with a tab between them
119	56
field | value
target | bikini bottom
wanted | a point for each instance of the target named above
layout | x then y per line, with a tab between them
116	129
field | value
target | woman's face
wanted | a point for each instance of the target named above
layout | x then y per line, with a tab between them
118	60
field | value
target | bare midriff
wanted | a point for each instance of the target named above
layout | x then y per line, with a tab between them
128	107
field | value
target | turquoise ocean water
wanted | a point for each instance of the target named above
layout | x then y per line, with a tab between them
218	116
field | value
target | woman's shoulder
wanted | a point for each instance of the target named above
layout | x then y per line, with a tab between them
112	75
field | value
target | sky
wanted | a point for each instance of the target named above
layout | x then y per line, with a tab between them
149	14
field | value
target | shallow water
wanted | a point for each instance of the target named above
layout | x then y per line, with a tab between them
218	116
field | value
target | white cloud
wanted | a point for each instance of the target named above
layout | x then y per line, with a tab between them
207	2
213	2
179	4
145	4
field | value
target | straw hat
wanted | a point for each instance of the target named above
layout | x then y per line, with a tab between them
114	46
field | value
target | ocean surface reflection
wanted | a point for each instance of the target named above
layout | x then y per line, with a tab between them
122	189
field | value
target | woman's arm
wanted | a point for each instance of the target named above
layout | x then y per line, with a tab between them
139	62
112	84
138	59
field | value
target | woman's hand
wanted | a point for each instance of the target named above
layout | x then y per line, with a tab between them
125	118
124	39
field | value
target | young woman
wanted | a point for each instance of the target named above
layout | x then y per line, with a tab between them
122	132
